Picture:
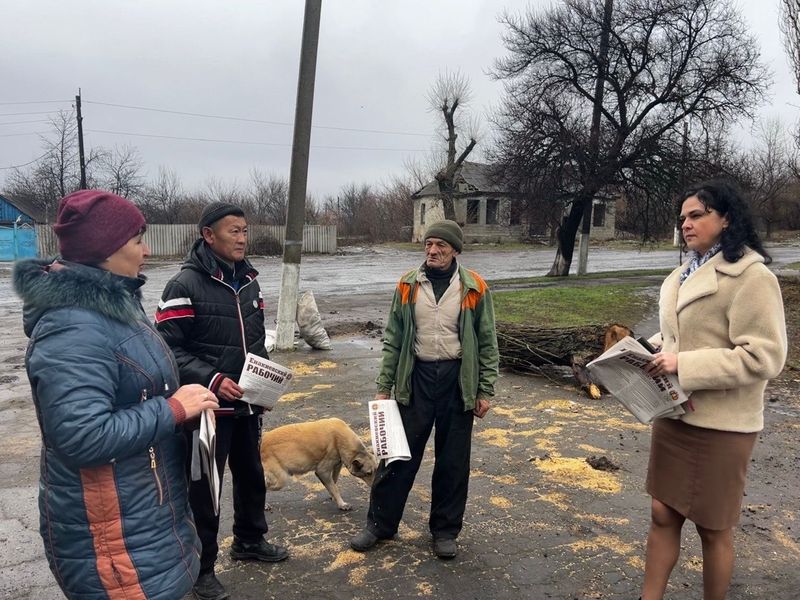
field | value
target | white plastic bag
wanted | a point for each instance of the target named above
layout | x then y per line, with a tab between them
269	340
310	323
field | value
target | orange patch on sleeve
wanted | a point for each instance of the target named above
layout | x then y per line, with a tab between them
474	296
405	292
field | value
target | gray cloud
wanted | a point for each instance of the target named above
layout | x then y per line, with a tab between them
376	61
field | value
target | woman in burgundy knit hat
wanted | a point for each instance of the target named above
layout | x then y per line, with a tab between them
114	511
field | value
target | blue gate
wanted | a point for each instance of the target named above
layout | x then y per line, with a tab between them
17	241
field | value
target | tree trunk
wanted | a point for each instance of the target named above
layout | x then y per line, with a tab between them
566	238
586	232
448	205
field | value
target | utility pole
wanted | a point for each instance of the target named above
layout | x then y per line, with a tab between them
80	140
676	239
594	135
298	178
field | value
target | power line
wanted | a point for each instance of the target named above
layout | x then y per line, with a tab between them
26	164
192	139
246	120
36	102
21	122
19	134
46	112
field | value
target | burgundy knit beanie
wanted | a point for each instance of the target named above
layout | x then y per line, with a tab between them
93	224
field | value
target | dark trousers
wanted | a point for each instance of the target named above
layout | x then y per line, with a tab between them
238	444
435	400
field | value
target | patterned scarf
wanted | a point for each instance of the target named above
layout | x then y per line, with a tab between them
698	261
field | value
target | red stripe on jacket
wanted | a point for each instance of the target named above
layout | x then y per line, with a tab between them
173	313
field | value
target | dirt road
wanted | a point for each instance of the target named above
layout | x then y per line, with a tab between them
540	523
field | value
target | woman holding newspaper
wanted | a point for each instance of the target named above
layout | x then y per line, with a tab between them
113	501
723	333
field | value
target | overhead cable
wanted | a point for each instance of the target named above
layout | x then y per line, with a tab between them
193	139
247	120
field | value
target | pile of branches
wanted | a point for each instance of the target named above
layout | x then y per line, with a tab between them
527	348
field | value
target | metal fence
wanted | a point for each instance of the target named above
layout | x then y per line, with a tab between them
175	240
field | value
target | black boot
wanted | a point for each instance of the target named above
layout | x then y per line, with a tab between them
364	541
208	587
445	548
260	550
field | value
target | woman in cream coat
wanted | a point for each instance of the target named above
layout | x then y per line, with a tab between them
723	333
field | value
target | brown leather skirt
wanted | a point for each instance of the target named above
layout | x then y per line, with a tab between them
699	472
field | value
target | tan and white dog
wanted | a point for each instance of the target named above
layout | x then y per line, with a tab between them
321	446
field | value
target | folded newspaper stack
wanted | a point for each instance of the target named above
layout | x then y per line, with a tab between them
388	435
208	461
620	369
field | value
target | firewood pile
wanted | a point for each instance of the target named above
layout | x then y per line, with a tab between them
528	348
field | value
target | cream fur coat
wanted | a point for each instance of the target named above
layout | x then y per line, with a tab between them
727	326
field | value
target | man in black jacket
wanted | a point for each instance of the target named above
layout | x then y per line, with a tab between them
211	314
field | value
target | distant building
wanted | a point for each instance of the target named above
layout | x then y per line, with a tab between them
487	210
604	219
11	210
17	231
490	212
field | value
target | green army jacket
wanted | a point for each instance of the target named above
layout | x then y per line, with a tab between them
480	356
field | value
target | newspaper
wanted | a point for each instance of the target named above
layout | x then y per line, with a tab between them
264	381
208	450
386	430
620	369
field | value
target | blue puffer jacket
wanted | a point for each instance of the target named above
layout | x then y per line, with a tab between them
114	511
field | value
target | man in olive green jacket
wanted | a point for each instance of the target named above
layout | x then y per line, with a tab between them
440	356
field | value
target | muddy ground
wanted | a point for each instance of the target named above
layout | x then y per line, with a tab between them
541	522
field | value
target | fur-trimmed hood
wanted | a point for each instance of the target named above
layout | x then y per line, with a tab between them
47	284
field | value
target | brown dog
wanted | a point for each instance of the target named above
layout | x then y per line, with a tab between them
321	446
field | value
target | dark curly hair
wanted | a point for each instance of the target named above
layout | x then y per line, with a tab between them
725	197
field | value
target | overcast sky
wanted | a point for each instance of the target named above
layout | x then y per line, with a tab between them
240	59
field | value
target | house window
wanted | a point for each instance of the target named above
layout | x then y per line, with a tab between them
422	213
492	207
473	210
599	215
515	218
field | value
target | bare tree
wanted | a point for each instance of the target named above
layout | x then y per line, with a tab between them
313	213
650	191
120	171
57	172
268	195
422	170
164	198
394	210
369	213
449	95
61	164
768	173
35	190
217	190
790	28
667	61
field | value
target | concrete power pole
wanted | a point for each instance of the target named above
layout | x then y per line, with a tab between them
80	139
298	178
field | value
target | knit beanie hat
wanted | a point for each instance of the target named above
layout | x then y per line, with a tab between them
449	231
91	225
216	211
